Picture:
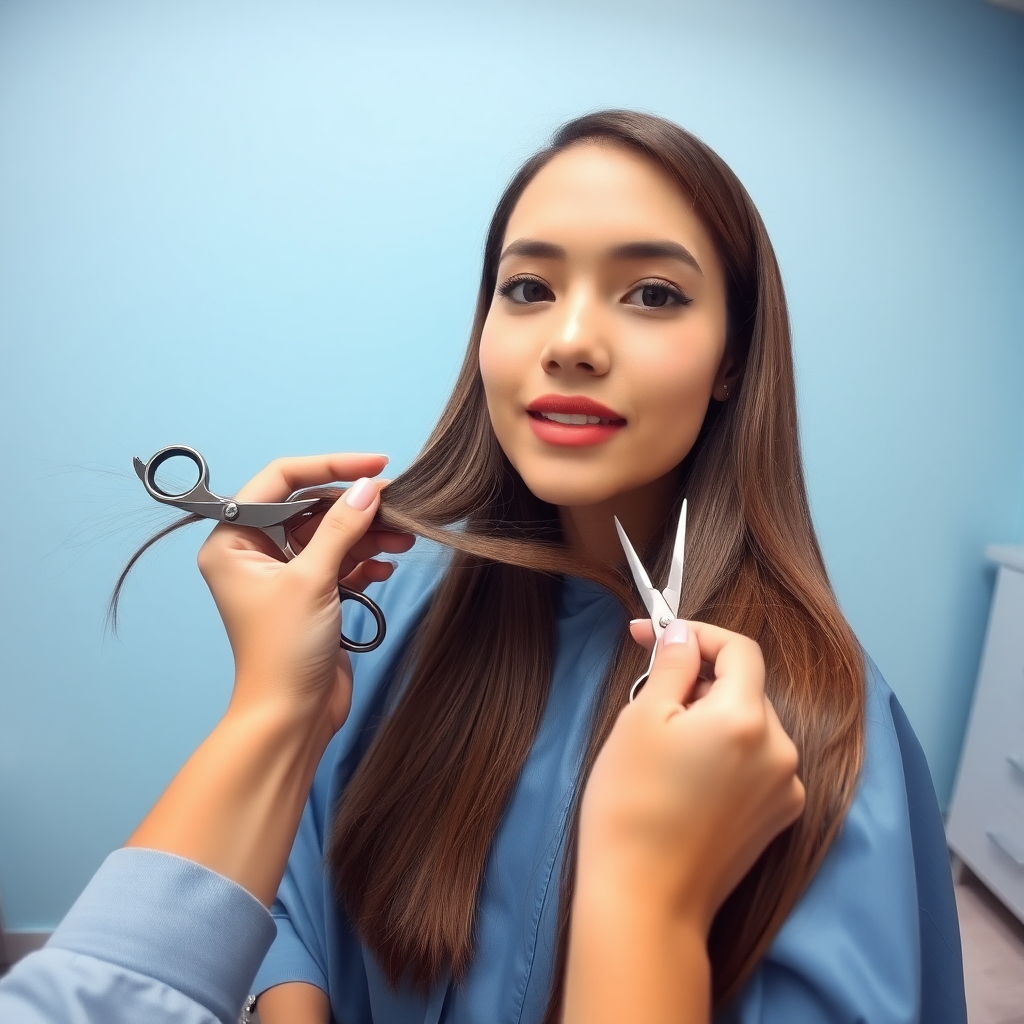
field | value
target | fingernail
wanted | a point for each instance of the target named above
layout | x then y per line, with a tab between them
360	495
636	622
676	632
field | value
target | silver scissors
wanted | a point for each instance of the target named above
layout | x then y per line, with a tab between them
661	605
270	517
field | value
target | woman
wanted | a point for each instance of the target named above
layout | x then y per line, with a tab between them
628	282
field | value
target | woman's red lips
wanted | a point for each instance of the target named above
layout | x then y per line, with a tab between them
573	405
573	420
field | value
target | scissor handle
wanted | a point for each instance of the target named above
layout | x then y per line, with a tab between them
344	594
200	490
638	685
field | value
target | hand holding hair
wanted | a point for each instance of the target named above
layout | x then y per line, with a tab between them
283	618
235	805
681	802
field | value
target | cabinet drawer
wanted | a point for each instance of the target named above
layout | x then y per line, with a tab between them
996	856
996	778
989	791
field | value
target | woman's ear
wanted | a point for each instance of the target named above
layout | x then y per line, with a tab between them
728	376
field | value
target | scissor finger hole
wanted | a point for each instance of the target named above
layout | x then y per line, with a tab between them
362	629
174	475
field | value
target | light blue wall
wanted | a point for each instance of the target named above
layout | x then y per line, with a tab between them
255	227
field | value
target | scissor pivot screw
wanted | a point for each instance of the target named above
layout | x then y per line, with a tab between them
664	621
230	510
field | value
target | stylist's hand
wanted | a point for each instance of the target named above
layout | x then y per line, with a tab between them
283	618
684	797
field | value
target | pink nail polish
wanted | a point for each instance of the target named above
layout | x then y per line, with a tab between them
360	495
676	632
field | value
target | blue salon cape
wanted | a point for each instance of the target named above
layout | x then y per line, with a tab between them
159	939
848	952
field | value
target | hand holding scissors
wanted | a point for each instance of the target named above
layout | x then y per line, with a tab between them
683	798
661	605
270	517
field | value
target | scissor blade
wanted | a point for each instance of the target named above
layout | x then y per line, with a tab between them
140	468
266	514
206	509
674	589
640	577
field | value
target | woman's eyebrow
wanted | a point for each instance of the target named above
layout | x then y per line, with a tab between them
533	248
656	250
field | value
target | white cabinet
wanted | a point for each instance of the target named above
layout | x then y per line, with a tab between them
985	827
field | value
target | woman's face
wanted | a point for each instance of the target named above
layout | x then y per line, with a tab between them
609	312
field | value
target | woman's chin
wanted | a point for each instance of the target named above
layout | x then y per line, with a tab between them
568	493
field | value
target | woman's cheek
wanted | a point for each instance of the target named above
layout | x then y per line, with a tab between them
499	381
495	369
682	408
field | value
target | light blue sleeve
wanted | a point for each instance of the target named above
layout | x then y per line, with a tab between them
153	938
849	953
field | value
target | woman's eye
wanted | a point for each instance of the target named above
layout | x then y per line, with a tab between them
525	290
656	296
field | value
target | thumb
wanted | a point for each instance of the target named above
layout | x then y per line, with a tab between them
676	665
342	525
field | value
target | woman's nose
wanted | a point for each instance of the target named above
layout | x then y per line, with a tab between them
577	342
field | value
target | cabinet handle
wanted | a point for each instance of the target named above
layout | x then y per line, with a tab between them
1008	846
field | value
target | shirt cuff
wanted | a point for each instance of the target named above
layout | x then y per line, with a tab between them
175	921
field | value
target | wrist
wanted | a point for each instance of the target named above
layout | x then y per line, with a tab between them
633	956
641	904
278	731
655	892
284	720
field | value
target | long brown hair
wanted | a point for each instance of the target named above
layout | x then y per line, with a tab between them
412	831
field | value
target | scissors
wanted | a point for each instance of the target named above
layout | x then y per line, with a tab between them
661	605
270	517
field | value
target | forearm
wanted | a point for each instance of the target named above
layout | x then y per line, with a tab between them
235	805
630	959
